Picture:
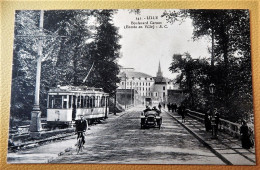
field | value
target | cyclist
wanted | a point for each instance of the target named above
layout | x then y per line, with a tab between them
81	126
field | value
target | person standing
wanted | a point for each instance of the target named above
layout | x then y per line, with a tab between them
217	122
182	112
245	136
207	122
160	106
168	106
172	107
175	107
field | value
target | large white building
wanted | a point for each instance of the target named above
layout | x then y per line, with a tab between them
151	89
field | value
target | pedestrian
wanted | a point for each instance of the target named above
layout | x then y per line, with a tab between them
172	107
160	106
175	107
217	122
245	136
207	122
182	112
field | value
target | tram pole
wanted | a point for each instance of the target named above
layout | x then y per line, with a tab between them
35	126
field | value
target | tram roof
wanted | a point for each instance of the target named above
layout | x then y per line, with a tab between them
78	89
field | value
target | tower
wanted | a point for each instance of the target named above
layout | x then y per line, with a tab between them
159	73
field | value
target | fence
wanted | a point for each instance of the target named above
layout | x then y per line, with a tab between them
224	125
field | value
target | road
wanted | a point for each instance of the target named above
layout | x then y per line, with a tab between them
121	140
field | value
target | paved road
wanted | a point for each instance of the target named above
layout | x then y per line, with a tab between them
121	140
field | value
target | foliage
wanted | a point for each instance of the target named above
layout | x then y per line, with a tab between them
230	68
67	56
104	52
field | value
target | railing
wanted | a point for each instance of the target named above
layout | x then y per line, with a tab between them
224	125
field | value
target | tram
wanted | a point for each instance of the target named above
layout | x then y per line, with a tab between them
66	103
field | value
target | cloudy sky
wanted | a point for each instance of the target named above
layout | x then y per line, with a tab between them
143	48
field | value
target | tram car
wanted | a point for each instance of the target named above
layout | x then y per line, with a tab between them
66	103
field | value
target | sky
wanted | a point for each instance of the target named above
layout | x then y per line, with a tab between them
143	48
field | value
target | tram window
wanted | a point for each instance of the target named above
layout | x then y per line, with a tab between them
87	98
90	102
55	101
102	101
82	101
70	101
78	102
50	104
98	102
94	100
65	102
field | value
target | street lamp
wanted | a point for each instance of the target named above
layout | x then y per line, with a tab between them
212	89
124	73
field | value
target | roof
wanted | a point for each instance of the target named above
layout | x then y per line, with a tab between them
130	74
160	80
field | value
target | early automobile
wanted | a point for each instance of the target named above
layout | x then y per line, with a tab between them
151	118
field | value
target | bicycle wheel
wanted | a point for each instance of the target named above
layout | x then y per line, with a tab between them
79	147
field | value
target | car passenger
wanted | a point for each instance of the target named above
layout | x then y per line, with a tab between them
157	111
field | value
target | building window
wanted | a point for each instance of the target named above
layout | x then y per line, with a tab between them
156	94
163	87
143	83
123	83
163	94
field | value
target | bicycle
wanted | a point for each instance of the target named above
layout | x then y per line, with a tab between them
80	142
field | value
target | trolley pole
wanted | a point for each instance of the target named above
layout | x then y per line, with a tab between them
35	126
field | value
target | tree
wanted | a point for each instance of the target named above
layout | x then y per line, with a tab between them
104	52
193	76
229	30
71	44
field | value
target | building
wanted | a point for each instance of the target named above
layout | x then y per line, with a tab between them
145	88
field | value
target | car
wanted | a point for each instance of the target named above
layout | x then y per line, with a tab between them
151	118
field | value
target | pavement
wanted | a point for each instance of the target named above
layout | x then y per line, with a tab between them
122	141
226	147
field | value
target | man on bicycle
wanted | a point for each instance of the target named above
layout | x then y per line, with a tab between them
81	126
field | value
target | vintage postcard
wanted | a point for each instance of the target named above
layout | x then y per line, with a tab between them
132	86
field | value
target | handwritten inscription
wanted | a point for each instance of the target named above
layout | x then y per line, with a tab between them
146	22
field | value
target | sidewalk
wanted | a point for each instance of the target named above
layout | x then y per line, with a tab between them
226	147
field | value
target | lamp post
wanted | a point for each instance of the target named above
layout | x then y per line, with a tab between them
212	89
115	103
125	88
35	125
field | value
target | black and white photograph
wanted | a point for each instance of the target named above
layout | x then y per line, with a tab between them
132	86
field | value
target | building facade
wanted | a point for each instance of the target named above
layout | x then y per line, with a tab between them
148	89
